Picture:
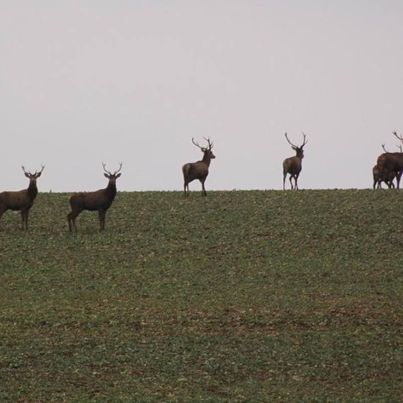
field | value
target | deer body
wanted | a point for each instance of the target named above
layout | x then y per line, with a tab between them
293	165
198	170
380	175
99	200
393	163
21	200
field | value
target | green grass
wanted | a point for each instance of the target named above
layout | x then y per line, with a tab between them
240	296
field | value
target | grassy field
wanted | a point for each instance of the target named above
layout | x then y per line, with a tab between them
240	296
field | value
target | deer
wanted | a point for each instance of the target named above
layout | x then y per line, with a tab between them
293	165
21	200
100	200
392	162
381	175
200	169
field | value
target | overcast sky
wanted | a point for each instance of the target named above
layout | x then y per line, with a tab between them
83	82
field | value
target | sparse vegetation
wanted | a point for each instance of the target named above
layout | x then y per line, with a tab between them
241	296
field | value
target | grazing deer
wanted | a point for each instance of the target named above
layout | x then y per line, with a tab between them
380	175
21	200
392	162
100	200
198	170
293	165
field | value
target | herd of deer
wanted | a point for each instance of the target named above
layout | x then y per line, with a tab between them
389	166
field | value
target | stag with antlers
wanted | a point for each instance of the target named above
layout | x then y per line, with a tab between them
21	200
293	165
392	163
100	200
198	170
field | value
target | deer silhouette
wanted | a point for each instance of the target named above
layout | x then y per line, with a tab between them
392	162
100	200
293	165
21	200
198	170
380	175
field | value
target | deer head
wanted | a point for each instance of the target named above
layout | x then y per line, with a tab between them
207	151
112	176
33	176
299	150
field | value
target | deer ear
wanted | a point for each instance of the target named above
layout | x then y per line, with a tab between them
38	175
118	176
106	176
27	175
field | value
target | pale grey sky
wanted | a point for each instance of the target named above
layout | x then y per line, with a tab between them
88	81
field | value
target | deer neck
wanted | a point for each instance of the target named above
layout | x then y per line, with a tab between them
111	190
32	190
206	159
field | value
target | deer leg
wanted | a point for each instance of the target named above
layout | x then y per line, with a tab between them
398	176
101	215
24	219
186	187
296	182
71	218
292	186
2	210
204	193
284	178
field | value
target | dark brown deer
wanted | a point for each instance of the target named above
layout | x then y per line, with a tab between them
381	175
21	200
392	162
198	170
100	200
293	165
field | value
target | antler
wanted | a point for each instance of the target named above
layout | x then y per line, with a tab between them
196	144
305	141
400	148
210	143
397	136
292	145
42	168
110	173
36	174
384	148
119	169
104	167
